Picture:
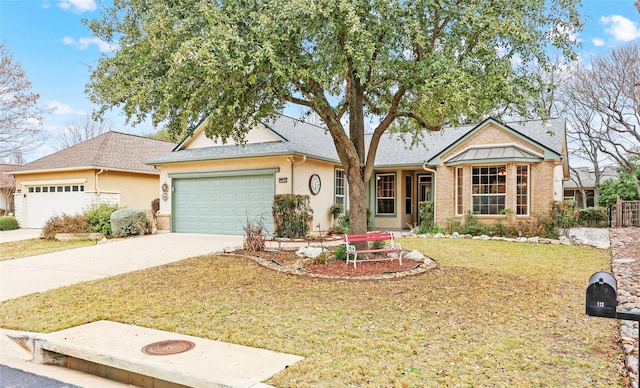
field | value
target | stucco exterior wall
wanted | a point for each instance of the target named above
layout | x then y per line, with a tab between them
136	190
292	177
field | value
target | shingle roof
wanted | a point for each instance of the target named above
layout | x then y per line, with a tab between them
114	150
587	177
314	141
7	180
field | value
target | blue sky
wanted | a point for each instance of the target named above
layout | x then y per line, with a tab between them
56	50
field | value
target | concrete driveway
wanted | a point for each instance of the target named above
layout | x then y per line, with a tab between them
19	234
25	276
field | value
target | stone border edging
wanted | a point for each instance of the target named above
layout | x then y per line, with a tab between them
292	270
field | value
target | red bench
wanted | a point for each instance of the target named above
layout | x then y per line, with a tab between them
391	247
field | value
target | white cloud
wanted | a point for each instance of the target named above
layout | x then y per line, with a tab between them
84	43
78	6
60	108
621	28
598	42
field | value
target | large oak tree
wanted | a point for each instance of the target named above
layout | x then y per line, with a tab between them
398	65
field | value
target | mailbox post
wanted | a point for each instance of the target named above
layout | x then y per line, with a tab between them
602	300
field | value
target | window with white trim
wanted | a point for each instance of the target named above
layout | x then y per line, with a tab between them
522	190
408	194
340	188
385	193
488	189
459	191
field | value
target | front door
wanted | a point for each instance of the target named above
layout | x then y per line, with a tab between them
425	188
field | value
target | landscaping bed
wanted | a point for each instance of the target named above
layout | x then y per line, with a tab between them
287	261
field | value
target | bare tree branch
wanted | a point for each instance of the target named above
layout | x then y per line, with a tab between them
81	129
20	116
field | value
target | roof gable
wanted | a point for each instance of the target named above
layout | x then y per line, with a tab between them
199	139
534	130
111	150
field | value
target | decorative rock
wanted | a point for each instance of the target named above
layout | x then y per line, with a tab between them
414	255
311	252
565	240
624	261
455	235
438	235
535	239
522	240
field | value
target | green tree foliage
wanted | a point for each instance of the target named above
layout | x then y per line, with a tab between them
402	65
624	187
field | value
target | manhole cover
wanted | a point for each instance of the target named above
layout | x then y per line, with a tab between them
163	348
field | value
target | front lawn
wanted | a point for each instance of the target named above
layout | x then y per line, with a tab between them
494	314
37	246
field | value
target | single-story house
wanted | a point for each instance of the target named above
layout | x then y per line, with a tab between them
106	169
486	169
581	186
7	187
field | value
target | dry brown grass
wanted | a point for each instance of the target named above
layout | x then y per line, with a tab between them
36	246
492	315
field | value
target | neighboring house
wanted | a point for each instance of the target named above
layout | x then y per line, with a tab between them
7	188
581	186
210	187
106	169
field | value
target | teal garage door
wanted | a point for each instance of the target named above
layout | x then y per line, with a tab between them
222	204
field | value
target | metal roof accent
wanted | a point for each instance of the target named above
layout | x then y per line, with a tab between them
505	153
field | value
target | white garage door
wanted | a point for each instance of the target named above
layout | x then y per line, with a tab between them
43	202
222	204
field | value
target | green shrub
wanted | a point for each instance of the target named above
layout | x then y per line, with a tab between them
99	217
341	252
342	227
8	223
65	223
592	216
426	213
127	221
292	215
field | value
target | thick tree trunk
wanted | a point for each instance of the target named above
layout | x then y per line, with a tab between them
357	201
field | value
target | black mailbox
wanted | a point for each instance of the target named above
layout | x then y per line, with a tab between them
602	296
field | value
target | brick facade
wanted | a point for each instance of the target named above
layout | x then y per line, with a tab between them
540	185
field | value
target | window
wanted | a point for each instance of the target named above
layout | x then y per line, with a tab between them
459	191
385	193
408	192
340	188
522	190
488	189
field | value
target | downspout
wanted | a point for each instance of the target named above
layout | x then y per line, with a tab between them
293	165
433	188
97	184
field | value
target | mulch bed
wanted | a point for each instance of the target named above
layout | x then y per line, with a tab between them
287	261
